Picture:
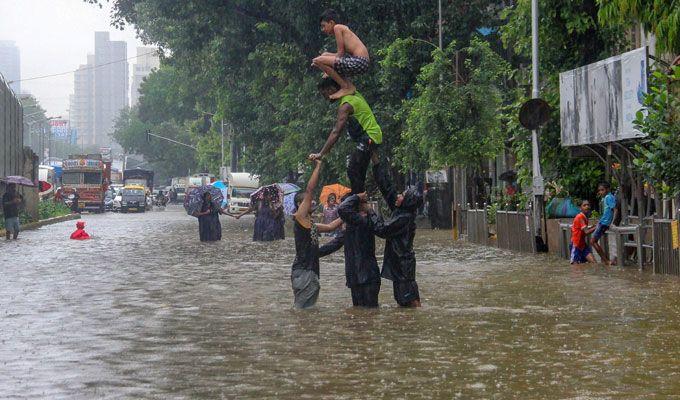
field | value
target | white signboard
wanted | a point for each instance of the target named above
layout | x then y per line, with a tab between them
437	176
598	102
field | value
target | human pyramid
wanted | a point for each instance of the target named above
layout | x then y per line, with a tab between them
361	224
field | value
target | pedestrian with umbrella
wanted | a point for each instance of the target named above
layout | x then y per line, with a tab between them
12	202
267	203
205	203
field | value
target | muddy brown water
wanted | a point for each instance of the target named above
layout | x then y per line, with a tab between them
144	310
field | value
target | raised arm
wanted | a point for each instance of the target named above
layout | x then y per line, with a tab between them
303	210
344	112
339	39
384	182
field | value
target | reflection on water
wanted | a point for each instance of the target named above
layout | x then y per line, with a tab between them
146	310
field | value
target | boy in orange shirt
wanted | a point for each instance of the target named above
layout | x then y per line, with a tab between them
580	251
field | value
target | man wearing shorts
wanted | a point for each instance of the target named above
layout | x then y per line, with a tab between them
11	206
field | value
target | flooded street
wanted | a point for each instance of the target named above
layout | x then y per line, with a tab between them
144	310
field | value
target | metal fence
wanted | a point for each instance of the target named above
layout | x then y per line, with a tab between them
476	226
666	258
515	231
11	132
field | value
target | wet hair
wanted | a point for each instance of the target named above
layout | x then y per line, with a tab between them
329	15
584	201
413	199
328	83
604	185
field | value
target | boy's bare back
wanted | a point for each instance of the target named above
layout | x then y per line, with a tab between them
352	44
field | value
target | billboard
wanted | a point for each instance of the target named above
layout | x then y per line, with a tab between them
60	129
598	102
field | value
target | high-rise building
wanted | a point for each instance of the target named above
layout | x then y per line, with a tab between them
10	64
81	111
147	61
110	85
100	92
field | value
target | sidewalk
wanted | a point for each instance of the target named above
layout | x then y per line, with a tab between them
49	221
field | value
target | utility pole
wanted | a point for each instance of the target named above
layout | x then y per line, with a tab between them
441	45
233	149
223	168
537	183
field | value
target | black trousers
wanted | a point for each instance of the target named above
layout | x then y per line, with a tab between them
357	166
365	295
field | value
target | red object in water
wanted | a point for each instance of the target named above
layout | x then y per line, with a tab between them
80	233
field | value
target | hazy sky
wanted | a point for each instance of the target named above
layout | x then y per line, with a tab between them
55	36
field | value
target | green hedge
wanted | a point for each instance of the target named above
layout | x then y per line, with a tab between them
50	209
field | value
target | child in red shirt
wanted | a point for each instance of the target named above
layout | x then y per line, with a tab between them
80	233
580	251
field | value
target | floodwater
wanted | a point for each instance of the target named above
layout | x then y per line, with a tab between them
144	310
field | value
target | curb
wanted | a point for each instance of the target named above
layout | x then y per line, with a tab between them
49	221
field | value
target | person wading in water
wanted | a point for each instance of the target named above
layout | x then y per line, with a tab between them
305	271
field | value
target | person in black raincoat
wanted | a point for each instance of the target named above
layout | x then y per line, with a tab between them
399	262
362	274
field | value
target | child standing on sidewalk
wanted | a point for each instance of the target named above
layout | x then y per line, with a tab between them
608	216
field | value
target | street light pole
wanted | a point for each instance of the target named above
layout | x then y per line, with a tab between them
223	170
441	45
537	183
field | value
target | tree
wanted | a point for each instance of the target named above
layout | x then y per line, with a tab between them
661	17
569	37
450	122
660	120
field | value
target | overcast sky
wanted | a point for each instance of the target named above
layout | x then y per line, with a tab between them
55	36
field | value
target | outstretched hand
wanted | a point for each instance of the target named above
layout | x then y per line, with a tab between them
314	157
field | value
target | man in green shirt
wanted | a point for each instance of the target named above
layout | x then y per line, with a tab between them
362	127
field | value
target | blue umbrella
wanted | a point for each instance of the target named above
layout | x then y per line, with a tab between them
193	202
223	188
289	188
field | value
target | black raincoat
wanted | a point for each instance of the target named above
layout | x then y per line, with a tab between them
399	263
361	267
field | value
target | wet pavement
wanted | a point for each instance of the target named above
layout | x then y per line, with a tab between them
144	310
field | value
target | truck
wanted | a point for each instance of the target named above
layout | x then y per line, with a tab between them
179	185
90	175
143	178
241	186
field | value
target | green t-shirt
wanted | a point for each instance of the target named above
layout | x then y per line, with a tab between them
364	116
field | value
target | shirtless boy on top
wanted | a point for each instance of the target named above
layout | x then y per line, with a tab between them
351	58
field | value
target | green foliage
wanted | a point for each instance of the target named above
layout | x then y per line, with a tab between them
248	63
569	37
661	17
451	123
170	158
660	120
51	209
